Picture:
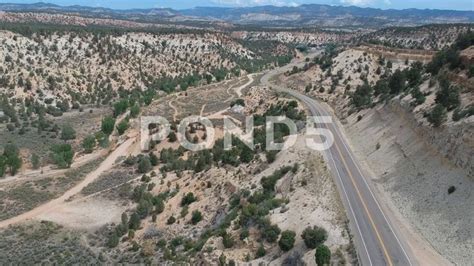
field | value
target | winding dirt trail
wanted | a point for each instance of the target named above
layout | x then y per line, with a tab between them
176	112
48	171
104	166
239	89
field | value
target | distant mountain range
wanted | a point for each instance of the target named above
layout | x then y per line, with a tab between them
305	15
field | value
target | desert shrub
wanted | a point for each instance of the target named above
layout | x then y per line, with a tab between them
260	251
113	240
269	182
418	96
227	240
144	208
196	217
437	116
10	160
270	232
287	240
62	155
120	107
188	199
159	205
88	144
144	165
68	133
122	126
396	82
271	156
134	110
171	220
134	222
314	236
244	234
35	161
108	124
322	255
102	139
362	96
448	95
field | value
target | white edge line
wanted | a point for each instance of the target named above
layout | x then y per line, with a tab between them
347	199
371	193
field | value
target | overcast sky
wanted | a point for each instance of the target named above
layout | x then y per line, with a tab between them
181	4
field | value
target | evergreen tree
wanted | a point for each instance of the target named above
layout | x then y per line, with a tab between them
322	255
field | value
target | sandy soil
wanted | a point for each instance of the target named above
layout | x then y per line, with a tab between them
88	214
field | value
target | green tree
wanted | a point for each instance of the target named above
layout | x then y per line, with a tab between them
144	165
260	251
12	158
120	107
244	234
113	240
35	161
271	233
396	82
108	124
227	240
188	199
134	222
122	126
102	139
159	206
196	217
171	220
124	218
3	165
134	110
144	208
362	96
62	155
418	96
88	144
246	155
271	156
448	95
314	237
322	255
287	240
437	116
68	133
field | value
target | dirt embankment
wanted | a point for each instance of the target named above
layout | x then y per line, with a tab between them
426	173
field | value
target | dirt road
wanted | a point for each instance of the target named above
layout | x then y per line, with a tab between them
105	165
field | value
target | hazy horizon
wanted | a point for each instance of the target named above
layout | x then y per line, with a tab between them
459	5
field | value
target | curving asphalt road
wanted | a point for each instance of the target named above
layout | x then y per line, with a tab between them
376	241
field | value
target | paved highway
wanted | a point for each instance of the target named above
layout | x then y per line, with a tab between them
376	241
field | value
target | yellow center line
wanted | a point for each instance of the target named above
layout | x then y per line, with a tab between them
389	260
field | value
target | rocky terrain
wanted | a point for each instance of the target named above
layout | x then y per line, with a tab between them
76	187
429	37
167	212
314	38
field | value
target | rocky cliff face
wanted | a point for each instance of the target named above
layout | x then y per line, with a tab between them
454	141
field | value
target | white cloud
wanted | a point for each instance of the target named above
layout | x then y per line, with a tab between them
357	2
255	2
